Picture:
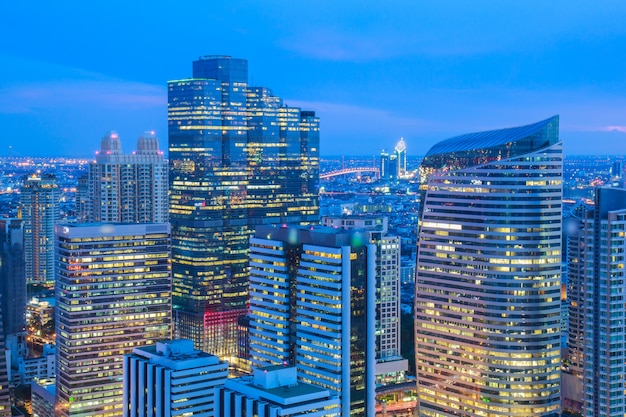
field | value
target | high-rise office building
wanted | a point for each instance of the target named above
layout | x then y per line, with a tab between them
597	338
13	275
125	188
171	379
488	290
5	399
312	305
391	366
113	294
238	158
40	210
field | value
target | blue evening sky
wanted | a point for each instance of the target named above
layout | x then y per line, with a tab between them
374	71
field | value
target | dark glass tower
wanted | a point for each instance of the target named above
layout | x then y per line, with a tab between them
238	158
13	275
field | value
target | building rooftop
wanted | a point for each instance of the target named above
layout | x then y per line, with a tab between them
489	139
312	235
176	354
277	384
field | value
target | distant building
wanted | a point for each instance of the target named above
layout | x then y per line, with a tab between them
40	196
488	284
400	152
113	295
394	167
171	379
238	158
384	165
272	392
407	271
126	188
312	306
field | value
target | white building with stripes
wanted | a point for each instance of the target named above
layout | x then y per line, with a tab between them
312	306
488	284
171	379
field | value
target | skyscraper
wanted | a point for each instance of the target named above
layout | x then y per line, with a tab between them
312	305
487	304
126	188
238	158
597	337
113	294
40	207
391	366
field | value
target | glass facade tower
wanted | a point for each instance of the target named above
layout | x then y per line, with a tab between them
487	306
238	158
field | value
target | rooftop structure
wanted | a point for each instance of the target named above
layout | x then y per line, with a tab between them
275	391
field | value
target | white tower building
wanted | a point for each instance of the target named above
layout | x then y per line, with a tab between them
312	306
487	304
127	188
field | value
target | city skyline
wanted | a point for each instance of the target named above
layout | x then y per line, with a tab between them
372	73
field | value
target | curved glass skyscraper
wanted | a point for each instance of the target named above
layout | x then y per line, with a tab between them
487	306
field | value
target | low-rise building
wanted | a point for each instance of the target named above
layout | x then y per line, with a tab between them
274	391
171	379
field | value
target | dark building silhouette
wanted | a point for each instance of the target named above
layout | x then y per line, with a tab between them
12	275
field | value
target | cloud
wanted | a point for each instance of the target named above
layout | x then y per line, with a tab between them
352	114
616	128
96	93
29	85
